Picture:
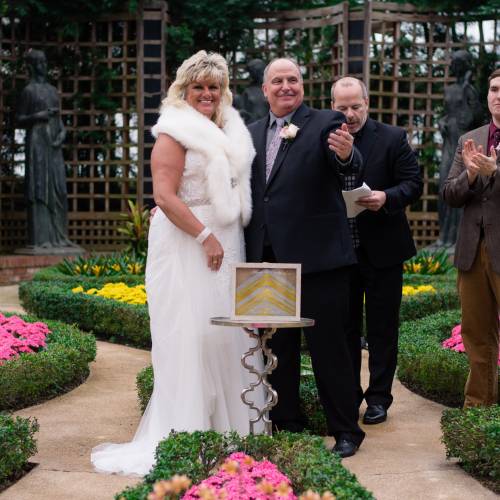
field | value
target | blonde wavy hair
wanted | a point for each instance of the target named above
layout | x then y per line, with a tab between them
201	66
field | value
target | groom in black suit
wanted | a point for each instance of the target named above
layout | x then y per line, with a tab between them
299	217
382	239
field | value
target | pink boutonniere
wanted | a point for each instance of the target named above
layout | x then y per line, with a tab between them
288	132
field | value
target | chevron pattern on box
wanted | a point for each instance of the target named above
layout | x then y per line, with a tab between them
266	293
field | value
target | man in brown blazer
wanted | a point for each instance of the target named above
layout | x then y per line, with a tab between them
474	184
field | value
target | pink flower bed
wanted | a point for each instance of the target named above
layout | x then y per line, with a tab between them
455	342
17	336
246	479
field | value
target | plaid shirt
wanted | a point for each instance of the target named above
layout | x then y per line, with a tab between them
350	183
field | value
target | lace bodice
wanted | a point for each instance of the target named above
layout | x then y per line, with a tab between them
192	190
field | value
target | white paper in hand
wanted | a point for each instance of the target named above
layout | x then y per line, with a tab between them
350	198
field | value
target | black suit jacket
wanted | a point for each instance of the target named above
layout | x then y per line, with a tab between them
389	165
301	207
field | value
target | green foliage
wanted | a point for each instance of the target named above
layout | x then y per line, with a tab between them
428	157
221	31
468	6
53	11
422	304
226	29
429	263
116	321
54	273
473	436
303	458
448	279
17	445
144	384
103	88
310	406
425	366
118	264
135	227
61	366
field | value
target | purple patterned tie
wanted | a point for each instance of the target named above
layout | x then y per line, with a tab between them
274	145
496	138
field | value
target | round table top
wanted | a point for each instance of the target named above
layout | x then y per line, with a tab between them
245	323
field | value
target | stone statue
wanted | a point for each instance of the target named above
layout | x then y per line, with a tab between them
45	176
252	104
462	112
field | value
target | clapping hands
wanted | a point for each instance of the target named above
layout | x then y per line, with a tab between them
476	162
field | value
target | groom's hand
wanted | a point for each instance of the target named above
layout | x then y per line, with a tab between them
340	141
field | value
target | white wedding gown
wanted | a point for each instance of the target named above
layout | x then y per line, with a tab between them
198	377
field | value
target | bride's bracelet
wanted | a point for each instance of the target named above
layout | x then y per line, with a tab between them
203	235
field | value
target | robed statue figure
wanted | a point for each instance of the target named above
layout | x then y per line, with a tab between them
38	111
251	104
462	112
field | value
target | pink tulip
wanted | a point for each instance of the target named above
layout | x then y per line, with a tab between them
17	336
455	342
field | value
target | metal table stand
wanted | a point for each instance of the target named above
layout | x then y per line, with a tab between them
261	332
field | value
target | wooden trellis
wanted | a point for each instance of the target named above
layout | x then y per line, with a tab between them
315	38
409	65
402	54
110	74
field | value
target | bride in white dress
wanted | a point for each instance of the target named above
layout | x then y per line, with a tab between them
201	181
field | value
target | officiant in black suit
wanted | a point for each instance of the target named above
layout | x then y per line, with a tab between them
382	239
299	217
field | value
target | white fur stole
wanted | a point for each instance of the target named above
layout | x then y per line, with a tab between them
229	153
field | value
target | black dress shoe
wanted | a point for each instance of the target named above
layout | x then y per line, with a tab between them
375	414
345	447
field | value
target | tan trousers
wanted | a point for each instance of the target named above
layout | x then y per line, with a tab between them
479	290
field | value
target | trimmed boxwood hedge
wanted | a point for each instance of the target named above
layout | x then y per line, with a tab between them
303	458
473	436
422	304
61	366
115	321
434	279
17	445
426	367
53	274
129	324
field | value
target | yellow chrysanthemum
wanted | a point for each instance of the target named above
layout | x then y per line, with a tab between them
124	293
413	290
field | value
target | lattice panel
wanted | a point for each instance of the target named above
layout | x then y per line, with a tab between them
424	227
313	37
410	56
110	74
